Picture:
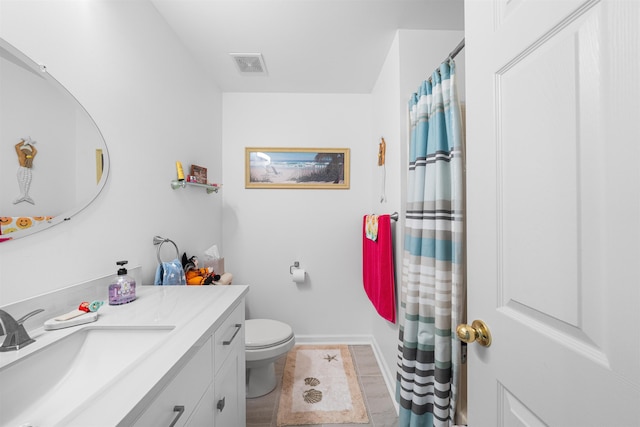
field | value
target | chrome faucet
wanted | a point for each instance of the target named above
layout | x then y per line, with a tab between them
16	335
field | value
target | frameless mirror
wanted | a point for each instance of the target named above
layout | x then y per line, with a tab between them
53	159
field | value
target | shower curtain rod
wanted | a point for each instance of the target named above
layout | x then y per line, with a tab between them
457	50
452	55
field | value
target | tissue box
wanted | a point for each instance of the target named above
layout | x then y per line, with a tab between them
216	264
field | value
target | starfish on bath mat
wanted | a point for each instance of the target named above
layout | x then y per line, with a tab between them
329	358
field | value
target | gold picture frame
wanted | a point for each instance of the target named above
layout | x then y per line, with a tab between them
301	168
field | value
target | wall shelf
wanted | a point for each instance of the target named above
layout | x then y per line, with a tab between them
175	184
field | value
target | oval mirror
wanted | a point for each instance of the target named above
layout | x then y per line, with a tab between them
53	159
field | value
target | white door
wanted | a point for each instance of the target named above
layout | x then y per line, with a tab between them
553	143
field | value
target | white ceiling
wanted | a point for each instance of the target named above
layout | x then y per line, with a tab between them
309	46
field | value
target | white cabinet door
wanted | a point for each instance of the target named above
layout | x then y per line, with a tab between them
553	184
203	414
229	409
185	390
229	381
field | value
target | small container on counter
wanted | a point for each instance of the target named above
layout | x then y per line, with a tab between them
123	289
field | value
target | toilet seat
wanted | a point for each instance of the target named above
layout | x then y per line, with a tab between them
266	333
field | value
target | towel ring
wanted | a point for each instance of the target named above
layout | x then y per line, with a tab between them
159	241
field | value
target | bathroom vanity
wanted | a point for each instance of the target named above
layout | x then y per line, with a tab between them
209	389
173	357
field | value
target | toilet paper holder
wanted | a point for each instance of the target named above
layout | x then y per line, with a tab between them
298	275
296	264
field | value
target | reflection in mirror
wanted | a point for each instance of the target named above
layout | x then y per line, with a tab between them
53	159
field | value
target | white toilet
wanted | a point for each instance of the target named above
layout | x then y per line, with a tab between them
266	340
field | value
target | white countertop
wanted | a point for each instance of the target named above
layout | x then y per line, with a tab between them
193	312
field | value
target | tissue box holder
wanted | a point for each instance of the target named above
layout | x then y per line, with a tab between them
216	264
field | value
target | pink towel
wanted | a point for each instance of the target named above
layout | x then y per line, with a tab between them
377	268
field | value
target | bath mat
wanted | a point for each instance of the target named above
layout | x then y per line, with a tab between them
320	386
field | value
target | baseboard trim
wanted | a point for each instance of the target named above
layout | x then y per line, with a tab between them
388	376
334	339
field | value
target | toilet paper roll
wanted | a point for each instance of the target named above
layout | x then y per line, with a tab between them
298	275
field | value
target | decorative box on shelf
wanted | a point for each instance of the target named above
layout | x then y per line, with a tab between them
198	174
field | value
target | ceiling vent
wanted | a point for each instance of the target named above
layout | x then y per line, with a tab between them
250	63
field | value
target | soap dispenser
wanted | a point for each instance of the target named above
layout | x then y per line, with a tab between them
123	288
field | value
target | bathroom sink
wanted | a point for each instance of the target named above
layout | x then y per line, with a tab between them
45	386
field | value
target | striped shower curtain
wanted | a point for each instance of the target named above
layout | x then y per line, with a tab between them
433	288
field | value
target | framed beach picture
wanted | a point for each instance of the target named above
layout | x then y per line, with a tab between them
323	168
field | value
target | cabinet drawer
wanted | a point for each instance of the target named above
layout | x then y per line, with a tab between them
185	389
229	336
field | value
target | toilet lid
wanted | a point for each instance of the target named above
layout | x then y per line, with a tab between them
264	333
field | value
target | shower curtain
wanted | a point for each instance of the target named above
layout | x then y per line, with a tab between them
433	288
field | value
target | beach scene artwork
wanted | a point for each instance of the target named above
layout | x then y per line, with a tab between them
326	168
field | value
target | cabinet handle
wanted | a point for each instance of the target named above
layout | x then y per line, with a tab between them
238	326
220	404
180	410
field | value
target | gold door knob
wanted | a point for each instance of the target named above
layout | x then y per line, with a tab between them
478	331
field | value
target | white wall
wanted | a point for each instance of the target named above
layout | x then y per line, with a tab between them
266	230
387	123
412	58
153	105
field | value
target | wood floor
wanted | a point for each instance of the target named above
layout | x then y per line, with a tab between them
262	411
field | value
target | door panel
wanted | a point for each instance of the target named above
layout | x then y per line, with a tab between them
514	413
543	152
553	198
